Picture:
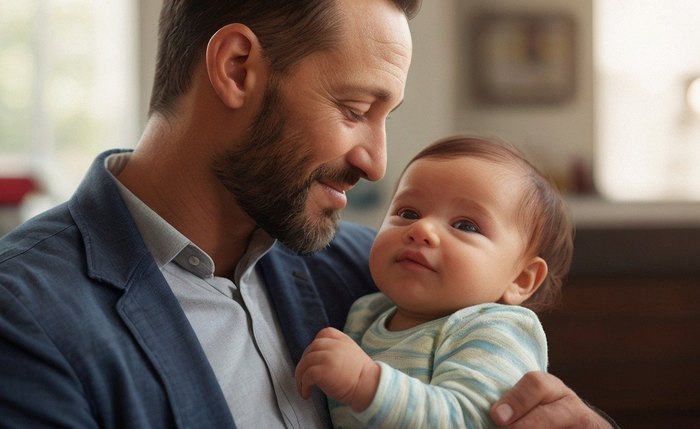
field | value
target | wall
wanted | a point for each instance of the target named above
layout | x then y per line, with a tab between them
148	34
553	135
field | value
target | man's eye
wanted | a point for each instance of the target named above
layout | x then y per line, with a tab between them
408	214
354	114
466	226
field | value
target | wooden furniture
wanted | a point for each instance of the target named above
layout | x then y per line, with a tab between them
627	336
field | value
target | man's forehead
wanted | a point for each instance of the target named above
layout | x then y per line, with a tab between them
375	36
378	22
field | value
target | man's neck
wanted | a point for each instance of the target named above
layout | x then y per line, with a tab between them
179	186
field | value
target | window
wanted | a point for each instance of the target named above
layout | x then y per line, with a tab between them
68	87
648	131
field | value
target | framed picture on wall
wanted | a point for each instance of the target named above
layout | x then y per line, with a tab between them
522	58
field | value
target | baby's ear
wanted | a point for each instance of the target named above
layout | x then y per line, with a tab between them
526	283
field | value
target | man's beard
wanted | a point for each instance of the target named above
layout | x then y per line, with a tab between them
264	174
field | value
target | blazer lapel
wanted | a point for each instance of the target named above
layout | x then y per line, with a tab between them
299	308
157	321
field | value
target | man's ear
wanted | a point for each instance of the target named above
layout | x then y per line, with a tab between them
526	282
234	61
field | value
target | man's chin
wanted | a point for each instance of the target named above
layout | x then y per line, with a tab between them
313	235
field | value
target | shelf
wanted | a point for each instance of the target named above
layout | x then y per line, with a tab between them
595	212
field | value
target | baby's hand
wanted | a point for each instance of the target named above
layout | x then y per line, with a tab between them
339	367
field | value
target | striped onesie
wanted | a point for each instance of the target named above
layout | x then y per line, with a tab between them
445	373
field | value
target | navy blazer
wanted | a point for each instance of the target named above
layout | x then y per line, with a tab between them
92	336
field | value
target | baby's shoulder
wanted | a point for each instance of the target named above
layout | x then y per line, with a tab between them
491	315
365	311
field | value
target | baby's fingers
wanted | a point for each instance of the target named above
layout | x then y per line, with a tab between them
299	373
310	369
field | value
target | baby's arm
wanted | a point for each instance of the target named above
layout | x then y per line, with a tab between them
477	359
339	367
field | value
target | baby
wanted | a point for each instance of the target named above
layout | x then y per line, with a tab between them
473	231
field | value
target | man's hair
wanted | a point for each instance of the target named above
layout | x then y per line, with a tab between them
543	215
288	31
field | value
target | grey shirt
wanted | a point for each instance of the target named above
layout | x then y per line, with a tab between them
233	320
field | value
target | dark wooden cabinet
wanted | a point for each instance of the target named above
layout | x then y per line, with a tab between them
627	335
630	345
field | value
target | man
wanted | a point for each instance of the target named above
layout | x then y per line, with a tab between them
170	290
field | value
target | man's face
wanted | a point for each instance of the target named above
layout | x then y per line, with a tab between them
266	175
321	129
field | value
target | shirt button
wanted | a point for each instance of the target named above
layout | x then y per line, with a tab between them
193	260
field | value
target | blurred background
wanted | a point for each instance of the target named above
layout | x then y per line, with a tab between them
602	95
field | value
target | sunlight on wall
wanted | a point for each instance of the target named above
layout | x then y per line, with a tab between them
648	136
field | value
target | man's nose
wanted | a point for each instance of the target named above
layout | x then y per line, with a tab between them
370	156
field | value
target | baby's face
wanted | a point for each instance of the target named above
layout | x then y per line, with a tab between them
450	238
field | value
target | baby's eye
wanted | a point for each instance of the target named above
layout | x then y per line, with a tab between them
466	226
408	214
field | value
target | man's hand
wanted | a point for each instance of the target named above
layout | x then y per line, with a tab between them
339	367
541	400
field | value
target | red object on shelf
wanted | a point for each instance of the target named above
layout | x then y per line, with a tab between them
13	189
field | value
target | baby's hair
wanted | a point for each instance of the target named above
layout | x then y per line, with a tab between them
543	216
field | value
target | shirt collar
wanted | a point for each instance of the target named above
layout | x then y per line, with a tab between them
260	243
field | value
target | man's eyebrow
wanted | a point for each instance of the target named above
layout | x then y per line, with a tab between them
380	94
377	93
386	97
